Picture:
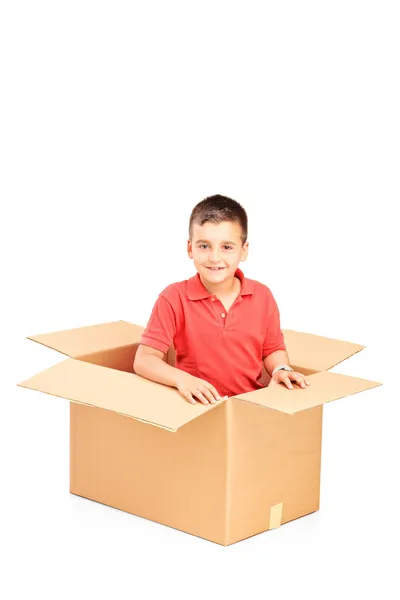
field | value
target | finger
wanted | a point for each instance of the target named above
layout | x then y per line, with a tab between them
298	378
200	396
287	382
214	391
206	392
189	397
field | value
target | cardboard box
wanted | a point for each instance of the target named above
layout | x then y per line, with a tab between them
223	472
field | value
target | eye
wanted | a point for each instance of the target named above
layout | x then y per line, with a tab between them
225	246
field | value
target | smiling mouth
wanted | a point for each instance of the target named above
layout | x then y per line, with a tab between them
215	268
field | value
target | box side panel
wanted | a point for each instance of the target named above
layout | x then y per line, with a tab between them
275	467
177	479
121	358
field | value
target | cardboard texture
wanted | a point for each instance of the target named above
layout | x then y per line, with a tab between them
223	472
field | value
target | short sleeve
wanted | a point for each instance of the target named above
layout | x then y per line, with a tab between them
161	327
274	339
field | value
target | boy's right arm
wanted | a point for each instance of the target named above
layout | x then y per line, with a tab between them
149	363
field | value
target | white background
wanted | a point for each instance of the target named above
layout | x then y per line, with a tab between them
116	119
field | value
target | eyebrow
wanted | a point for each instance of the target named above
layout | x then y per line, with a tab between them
208	242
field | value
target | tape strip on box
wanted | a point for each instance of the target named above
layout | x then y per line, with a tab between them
275	515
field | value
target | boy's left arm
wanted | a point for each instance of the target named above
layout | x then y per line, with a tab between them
274	353
280	357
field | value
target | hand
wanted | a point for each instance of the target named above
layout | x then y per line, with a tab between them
193	389
287	377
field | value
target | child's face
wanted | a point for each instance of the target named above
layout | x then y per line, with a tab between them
217	245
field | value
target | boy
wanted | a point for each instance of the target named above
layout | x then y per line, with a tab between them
221	324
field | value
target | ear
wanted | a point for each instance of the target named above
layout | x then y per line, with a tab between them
245	251
189	249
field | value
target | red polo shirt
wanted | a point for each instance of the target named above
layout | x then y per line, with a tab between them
224	348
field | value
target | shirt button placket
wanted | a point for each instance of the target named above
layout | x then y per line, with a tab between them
224	317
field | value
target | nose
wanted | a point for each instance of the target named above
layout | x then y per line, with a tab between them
214	256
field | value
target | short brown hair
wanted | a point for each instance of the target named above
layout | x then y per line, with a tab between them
216	209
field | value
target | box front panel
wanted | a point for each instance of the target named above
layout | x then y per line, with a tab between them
174	478
275	463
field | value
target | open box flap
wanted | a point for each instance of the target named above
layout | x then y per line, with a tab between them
315	352
93	338
324	387
119	391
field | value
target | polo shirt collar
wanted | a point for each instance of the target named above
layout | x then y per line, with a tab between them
197	291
